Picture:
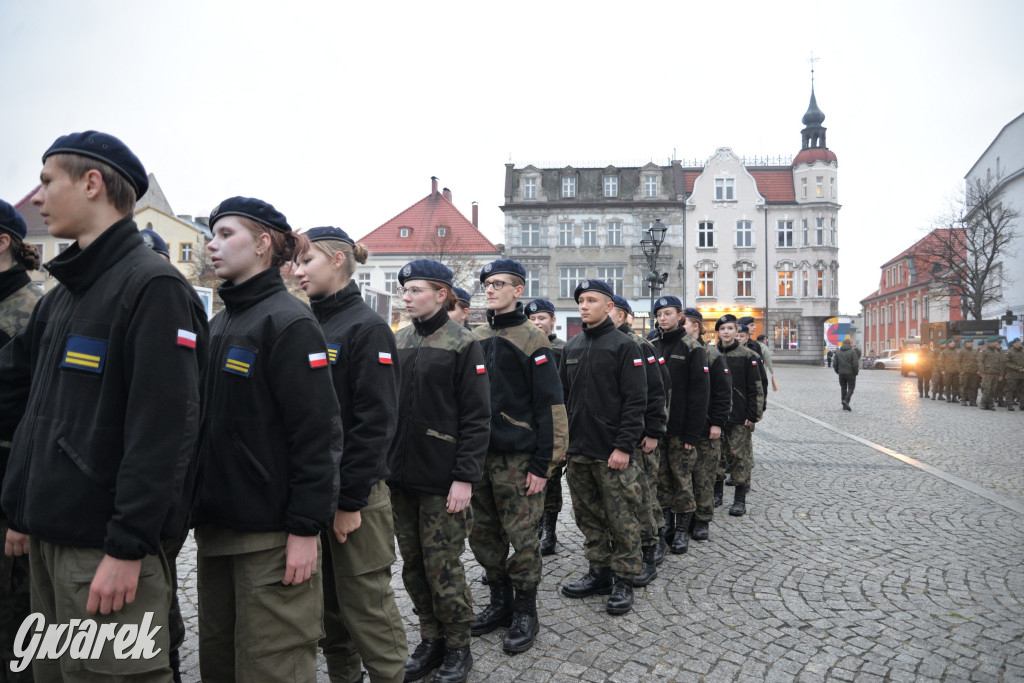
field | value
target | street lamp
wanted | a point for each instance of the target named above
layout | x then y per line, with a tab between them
651	247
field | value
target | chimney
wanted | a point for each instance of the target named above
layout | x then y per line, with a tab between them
433	186
447	194
476	216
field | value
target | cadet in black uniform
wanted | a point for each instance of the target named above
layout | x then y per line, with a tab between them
361	619
460	311
269	455
104	380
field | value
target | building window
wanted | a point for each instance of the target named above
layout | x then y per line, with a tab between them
614	234
613	276
785	230
890	317
568	278
403	232
913	310
803	283
924	308
391	282
568	187
651	186
532	288
832	236
819	283
531	234
819	232
611	186
803	226
819	186
40	247
565	234
899	272
832	187
705	283
785	335
744	234
903	311
441	232
724	189
705	235
363	280
590	234
62	247
785	283
744	282
803	188
185	253
529	188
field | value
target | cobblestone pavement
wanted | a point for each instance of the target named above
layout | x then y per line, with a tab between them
850	564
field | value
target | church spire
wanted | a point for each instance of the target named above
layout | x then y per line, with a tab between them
813	134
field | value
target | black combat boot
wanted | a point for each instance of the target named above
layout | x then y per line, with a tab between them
455	667
547	533
728	479
660	548
621	599
701	530
719	490
739	503
935	395
950	399
525	625
499	612
670	525
597	581
650	568
1001	403
427	656
681	541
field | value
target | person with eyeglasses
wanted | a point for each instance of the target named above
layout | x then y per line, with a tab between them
528	440
444	413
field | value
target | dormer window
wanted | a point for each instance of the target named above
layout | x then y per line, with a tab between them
724	189
403	232
442	231
568	187
651	186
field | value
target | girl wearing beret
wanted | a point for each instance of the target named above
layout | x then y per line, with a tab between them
362	622
268	460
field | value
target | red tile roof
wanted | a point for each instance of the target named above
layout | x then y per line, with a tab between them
775	184
812	154
423	219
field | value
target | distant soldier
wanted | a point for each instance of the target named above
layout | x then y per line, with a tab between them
542	314
766	354
967	362
1014	374
938	376
605	390
743	334
992	369
923	370
459	312
950	371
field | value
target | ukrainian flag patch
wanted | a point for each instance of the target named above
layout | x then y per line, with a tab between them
239	361
332	352
83	353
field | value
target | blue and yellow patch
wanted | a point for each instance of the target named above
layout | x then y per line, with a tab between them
239	361
84	353
332	352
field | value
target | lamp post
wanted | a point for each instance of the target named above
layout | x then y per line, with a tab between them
651	247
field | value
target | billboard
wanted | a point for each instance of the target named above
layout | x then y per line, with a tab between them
836	330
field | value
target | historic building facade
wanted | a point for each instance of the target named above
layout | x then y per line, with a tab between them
749	237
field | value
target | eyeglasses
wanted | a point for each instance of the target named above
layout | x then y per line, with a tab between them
414	291
496	285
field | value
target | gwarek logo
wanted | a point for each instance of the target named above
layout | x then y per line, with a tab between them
82	639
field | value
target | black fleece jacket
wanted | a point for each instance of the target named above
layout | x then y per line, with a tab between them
690	383
657	378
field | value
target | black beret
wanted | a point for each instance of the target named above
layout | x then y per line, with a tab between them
11	221
503	265
666	302
727	318
742	327
425	269
540	306
462	295
255	209
622	303
693	314
598	286
328	233
745	320
155	242
105	148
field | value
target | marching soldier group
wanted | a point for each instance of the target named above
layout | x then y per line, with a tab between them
945	372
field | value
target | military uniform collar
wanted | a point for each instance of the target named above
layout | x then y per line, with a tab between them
78	268
730	347
252	291
603	327
514	317
13	279
345	297
431	324
673	335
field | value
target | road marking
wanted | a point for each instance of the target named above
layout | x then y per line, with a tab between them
988	494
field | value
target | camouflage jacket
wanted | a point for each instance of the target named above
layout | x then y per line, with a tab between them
947	360
18	296
1014	367
967	361
992	362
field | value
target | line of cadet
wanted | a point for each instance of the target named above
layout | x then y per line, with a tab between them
946	372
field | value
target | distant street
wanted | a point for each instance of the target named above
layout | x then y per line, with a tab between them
852	563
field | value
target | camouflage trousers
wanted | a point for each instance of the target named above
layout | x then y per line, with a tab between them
553	491
923	382
709	453
989	390
738	453
675	476
649	514
15	606
969	384
951	383
1013	390
605	503
431	542
502	515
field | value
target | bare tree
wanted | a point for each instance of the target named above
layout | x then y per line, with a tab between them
967	250
464	266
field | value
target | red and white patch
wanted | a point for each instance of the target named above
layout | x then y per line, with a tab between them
651	359
541	360
187	339
727	371
637	362
753	362
384	358
706	369
661	360
481	369
318	360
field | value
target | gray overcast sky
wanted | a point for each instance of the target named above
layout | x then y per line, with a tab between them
339	113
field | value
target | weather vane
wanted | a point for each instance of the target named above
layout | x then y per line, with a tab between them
812	60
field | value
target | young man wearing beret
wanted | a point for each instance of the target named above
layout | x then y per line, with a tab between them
109	364
460	311
605	389
528	439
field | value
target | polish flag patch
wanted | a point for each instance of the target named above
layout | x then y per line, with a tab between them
481	369
727	371
637	362
187	339
540	360
651	359
706	369
318	360
753	362
661	360
384	358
